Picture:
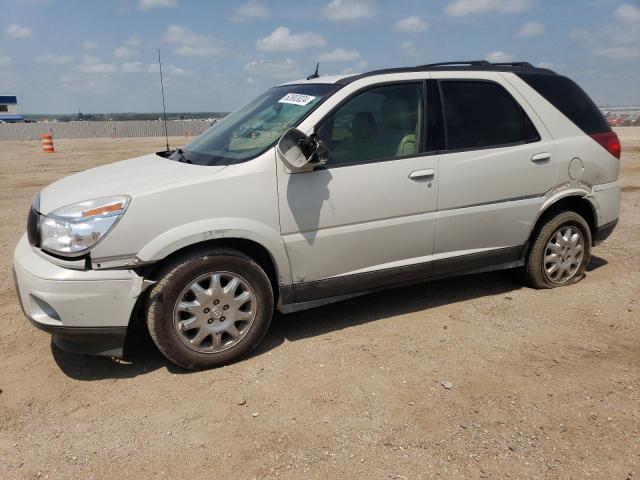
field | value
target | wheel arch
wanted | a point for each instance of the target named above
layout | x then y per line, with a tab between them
251	248
253	238
577	201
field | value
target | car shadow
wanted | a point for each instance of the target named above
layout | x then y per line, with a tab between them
595	262
384	305
141	357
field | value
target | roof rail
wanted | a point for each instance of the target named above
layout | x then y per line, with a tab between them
474	63
513	64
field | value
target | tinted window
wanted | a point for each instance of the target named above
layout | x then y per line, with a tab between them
483	114
570	99
383	122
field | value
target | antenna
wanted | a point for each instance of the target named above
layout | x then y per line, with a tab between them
164	109
314	74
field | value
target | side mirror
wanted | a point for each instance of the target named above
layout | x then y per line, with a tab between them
299	152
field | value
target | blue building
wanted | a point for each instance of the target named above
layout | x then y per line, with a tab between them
9	109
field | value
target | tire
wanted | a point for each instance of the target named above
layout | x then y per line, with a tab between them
176	316
540	259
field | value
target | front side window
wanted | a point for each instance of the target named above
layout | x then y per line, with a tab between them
379	123
483	115
251	130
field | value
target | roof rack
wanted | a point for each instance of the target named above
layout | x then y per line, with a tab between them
475	63
472	65
513	64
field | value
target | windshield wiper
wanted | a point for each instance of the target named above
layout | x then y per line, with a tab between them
182	158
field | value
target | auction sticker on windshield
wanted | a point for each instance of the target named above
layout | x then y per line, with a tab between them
296	99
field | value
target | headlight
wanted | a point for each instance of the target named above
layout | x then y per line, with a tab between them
74	229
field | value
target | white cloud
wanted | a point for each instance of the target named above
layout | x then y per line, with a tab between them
273	68
253	9
18	31
89	45
531	29
54	59
139	67
619	52
128	50
499	57
350	9
132	41
619	40
90	64
340	55
89	60
5	59
410	49
361	65
627	13
281	39
99	68
177	71
458	8
82	83
546	65
149	4
192	44
125	52
411	24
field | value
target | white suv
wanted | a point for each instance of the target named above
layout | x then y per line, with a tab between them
389	177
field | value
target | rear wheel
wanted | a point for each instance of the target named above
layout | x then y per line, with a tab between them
210	309
560	251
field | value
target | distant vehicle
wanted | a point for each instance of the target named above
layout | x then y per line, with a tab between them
615	121
319	190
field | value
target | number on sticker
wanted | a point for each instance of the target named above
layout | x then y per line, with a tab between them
296	99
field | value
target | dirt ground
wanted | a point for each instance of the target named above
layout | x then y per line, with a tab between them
545	384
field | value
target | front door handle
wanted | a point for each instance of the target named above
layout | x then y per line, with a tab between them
541	157
426	174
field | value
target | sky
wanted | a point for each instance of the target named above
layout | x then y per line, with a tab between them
61	56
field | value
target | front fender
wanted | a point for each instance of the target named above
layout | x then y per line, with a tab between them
204	230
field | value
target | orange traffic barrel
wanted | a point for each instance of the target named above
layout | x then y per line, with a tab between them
47	143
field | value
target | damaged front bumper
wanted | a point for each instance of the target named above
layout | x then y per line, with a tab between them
86	311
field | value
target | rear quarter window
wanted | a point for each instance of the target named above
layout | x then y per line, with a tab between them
564	94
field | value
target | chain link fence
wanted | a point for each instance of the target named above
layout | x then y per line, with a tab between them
116	129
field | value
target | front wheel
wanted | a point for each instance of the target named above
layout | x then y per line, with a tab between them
560	251
210	308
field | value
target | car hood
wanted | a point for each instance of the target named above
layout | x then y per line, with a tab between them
133	177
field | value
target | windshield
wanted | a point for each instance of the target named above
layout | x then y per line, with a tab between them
251	130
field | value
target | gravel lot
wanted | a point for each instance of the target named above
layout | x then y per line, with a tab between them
544	384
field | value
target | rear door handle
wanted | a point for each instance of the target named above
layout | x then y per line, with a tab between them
422	174
541	157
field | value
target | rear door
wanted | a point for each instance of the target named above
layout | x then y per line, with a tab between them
497	164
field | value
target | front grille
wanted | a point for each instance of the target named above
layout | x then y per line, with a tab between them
33	233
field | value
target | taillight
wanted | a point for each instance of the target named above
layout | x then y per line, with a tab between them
609	141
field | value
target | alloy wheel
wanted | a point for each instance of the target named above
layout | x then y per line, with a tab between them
214	312
563	254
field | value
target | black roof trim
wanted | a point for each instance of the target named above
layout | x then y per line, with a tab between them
463	66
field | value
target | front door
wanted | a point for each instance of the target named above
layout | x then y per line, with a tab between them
371	209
